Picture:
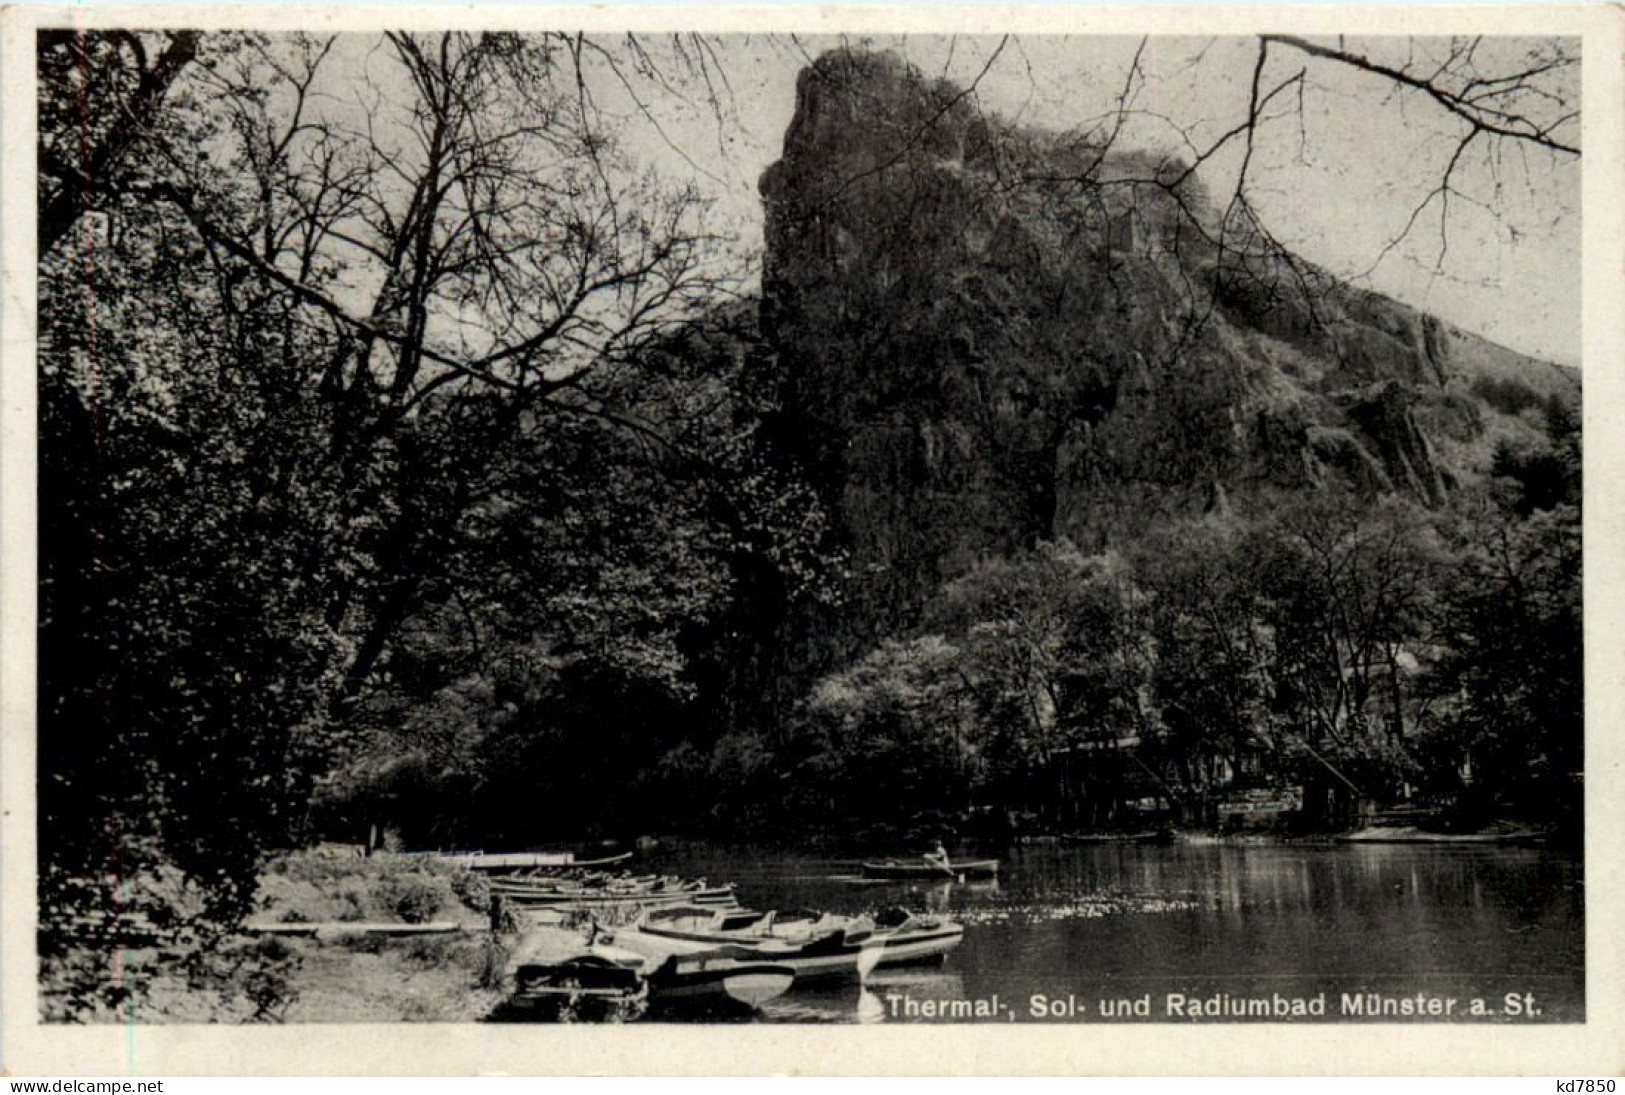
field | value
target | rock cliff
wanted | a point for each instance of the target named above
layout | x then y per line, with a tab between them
987	336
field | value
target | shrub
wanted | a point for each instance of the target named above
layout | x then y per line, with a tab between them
260	973
472	889
432	951
414	898
1506	395
353	898
273	948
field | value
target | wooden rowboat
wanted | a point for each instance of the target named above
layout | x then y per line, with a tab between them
711	896
514	861
815	947
1147	836
579	878
925	872
585	978
912	938
556	968
724	976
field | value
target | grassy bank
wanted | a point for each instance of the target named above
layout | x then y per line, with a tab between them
359	978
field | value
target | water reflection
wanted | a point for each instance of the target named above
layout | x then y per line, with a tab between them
870	1008
1124	920
886	987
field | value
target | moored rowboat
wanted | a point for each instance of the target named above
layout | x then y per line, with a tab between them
815	946
1145	836
513	861
560	968
712	896
721	976
911	938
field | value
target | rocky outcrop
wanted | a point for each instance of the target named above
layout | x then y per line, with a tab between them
988	336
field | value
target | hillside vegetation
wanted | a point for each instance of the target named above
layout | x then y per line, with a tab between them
431	484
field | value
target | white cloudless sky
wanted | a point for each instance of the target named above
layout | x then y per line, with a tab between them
1336	174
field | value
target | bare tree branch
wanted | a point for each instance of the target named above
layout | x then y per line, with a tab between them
1467	105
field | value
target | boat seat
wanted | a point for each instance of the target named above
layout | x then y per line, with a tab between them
893	917
746	918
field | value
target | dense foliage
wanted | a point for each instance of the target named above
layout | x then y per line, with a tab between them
397	456
1371	650
404	470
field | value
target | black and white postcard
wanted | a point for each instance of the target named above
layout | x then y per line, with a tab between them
641	540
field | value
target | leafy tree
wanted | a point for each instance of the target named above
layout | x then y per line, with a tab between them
1213	680
184	660
102	108
1023	659
403	451
1510	688
1349	590
896	729
1545	473
326	365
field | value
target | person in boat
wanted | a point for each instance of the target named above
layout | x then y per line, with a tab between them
937	857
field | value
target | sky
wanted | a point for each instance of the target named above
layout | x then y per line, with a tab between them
1336	174
1337	180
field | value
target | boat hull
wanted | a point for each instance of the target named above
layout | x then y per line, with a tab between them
717	897
599	982
741	982
970	868
514	861
1419	836
1148	836
928	945
836	955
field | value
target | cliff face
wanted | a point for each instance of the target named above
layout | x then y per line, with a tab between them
988	336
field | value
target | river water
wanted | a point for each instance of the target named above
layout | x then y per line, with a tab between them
1068	932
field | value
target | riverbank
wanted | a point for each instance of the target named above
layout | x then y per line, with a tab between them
351	976
1317	915
871	841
